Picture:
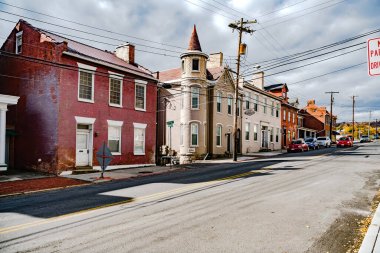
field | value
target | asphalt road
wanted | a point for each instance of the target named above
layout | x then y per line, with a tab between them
290	203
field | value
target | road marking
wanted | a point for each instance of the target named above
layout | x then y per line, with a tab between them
150	197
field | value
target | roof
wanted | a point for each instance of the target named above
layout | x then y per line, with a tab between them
194	44
80	49
263	92
276	86
213	74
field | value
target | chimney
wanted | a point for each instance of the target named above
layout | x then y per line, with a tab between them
258	80
126	52
215	60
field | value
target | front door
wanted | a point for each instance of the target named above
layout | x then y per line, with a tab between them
264	137
83	147
228	143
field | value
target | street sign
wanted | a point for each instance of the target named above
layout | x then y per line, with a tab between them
104	157
373	46
170	123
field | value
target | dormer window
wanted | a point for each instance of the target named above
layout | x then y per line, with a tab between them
195	65
19	42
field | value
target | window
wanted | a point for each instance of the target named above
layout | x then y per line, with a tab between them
183	66
219	102
181	135
294	135
265	106
289	135
284	113
272	109
194	134
277	134
247	128
271	133
229	105
140	95
139	139
19	42
86	83
289	117
218	135
255	132
115	91
114	136
256	103
195	65
194	98
294	118
247	99
277	110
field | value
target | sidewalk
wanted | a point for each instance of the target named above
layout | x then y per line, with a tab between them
21	182
371	242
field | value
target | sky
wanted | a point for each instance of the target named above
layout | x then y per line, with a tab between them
160	30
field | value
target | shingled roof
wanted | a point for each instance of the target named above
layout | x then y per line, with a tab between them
194	44
213	74
275	87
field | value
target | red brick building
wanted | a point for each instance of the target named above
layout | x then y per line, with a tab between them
321	114
74	97
308	125
289	113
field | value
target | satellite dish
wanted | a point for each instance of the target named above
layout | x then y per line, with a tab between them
249	112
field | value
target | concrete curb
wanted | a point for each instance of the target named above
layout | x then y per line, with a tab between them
371	242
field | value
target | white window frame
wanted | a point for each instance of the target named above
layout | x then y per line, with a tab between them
247	126
199	64
197	95
284	113
256	103
88	69
118	77
219	101
271	135
230	98
139	126
141	84
289	117
247	100
265	106
272	109
117	124
278	110
255	131
294	117
191	134
219	126
277	135
18	35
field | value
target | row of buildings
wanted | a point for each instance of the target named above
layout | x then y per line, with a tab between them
61	99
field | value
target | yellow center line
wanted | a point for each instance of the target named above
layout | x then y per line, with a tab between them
138	199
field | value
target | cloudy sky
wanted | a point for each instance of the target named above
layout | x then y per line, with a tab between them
160	29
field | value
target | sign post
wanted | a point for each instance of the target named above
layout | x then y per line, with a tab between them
373	46
104	157
170	125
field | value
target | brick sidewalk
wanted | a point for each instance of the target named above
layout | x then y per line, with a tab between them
38	184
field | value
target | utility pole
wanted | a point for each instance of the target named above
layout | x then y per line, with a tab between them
353	117
331	107
239	25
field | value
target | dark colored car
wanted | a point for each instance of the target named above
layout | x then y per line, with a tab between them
312	143
344	142
298	145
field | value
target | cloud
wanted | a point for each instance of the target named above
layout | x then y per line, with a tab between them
170	22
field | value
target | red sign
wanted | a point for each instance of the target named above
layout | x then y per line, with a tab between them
373	46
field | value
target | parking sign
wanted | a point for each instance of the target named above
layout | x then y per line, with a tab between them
373	46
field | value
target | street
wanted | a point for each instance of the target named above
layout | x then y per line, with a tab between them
299	202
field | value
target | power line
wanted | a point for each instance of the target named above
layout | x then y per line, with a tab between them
93	27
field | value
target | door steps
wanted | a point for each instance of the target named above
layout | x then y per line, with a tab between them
83	170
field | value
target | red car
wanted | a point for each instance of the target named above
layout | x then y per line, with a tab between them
344	142
298	145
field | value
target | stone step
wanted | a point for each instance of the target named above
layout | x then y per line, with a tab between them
83	170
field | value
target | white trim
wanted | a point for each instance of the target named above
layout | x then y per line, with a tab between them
84	120
141	84
115	123
109	65
82	66
118	167
139	125
141	81
9	100
221	134
191	133
191	96
115	75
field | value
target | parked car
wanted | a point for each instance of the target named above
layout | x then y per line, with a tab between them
364	138
312	143
324	141
344	142
298	145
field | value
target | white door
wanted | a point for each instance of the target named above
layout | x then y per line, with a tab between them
83	151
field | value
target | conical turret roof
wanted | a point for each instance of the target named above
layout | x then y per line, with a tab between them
194	44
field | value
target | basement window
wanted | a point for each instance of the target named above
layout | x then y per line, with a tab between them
19	42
